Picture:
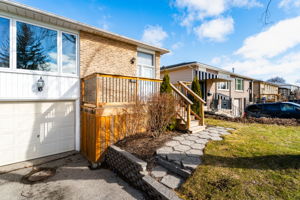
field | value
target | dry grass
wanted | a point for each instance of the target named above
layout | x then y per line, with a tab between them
257	161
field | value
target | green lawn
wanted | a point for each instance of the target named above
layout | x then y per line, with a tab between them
256	161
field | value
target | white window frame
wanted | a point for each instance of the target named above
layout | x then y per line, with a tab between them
242	81
139	71
13	47
219	86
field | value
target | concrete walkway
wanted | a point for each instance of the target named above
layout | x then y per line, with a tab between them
180	156
73	180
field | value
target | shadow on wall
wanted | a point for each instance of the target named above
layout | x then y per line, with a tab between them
46	127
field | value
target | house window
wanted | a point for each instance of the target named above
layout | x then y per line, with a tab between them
68	53
239	84
36	48
146	65
4	42
223	86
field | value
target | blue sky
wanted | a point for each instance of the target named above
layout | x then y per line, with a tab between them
223	33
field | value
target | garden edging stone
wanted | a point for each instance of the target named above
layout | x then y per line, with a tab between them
134	170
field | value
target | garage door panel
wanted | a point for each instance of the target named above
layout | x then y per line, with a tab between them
6	108
35	129
6	122
7	156
7	139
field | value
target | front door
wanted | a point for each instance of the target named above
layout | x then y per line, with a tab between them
237	107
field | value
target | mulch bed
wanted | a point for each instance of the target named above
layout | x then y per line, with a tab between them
144	145
263	120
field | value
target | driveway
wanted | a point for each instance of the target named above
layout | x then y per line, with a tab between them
72	180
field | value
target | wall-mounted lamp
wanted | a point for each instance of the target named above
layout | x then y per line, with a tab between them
40	84
132	61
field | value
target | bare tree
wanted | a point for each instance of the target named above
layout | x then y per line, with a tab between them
276	79
266	14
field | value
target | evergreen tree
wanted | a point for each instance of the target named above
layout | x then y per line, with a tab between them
30	53
4	54
196	87
165	85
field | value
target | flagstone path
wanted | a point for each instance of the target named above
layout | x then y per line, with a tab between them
179	157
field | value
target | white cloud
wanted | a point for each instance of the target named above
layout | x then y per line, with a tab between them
245	3
195	10
177	45
287	4
154	35
272	42
216	29
198	9
104	22
286	66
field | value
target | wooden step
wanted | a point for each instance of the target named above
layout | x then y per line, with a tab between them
196	129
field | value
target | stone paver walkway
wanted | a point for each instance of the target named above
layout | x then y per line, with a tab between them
185	152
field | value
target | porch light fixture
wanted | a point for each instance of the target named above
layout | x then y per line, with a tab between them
132	61
40	84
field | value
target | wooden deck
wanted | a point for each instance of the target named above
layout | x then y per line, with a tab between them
104	98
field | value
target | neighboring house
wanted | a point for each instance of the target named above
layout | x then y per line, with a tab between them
265	91
288	92
224	92
42	58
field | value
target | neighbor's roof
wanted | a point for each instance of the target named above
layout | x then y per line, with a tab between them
186	64
266	82
46	17
286	85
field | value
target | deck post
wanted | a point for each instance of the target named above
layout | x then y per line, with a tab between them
202	114
188	116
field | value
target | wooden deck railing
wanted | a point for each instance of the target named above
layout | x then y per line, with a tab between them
188	92
183	108
103	125
101	89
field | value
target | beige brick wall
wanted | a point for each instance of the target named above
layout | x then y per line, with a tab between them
104	55
157	65
212	88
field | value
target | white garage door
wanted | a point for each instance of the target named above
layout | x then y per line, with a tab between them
35	129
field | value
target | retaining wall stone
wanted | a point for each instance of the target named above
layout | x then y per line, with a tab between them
134	170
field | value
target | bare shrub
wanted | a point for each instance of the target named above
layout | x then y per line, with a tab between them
133	118
161	112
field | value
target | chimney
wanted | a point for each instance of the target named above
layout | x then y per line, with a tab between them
233	70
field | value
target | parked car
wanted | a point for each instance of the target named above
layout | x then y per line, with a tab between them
274	110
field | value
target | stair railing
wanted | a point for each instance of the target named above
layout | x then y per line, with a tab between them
202	102
183	108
